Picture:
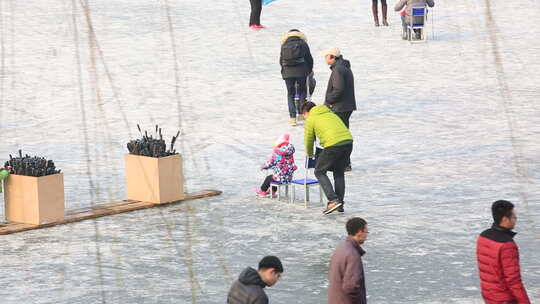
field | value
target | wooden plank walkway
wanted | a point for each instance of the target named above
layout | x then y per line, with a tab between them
100	210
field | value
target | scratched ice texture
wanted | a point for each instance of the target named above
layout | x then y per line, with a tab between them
442	130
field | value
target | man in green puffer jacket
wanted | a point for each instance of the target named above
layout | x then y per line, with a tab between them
4	172
337	141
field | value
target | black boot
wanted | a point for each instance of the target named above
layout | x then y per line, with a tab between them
418	33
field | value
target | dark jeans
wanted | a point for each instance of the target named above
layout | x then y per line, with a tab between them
334	158
266	183
344	117
290	82
256	8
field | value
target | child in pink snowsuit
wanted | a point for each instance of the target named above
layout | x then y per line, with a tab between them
281	162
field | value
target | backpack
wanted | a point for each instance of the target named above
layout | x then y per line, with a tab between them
292	53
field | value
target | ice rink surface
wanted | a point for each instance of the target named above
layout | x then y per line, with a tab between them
442	130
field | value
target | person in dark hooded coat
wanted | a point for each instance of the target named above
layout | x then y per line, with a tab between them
249	288
340	91
296	65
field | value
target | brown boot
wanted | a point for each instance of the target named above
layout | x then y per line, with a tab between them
375	12
292	122
384	12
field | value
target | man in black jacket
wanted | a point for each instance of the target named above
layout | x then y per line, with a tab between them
248	289
340	91
296	64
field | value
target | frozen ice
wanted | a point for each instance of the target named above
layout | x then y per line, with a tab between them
442	130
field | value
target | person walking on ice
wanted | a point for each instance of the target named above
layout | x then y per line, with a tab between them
375	12
255	15
249	288
340	91
296	65
337	142
281	162
346	275
498	259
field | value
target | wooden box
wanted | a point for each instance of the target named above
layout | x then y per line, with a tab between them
152	179
34	200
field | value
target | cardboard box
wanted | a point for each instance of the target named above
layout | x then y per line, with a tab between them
34	200
152	179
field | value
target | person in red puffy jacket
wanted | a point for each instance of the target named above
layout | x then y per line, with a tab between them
498	259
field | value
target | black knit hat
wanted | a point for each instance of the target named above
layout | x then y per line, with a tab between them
271	261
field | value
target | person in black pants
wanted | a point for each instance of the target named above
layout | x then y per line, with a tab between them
344	117
266	184
337	142
340	92
293	84
255	17
296	65
375	11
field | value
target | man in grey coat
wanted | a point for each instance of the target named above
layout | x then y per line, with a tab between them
248	289
346	274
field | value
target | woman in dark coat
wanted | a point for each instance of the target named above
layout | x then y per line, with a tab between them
296	65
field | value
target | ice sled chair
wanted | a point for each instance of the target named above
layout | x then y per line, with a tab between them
306	182
418	22
279	186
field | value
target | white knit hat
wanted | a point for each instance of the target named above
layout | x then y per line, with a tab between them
333	51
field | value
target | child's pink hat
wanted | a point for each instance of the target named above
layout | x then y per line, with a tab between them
282	139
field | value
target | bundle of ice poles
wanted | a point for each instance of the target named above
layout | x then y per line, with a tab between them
152	146
31	166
